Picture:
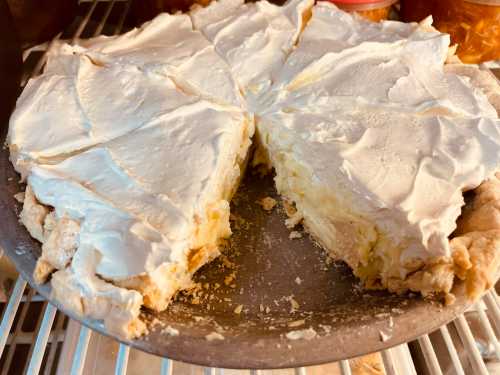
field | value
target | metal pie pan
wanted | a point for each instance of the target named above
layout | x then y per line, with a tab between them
282	284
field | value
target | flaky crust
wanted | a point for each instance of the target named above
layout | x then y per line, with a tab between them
480	260
475	250
118	308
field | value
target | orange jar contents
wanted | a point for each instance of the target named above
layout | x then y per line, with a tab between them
374	10
473	24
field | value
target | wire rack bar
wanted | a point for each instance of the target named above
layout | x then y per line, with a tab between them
389	366
430	355
41	340
24	338
470	345
10	312
59	323
491	301
166	367
493	291
488	329
345	367
122	360
41	62
102	23
300	371
38	328
81	351
452	350
84	22
13	338
403	360
123	16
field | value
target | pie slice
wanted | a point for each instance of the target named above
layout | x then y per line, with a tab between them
375	141
123	225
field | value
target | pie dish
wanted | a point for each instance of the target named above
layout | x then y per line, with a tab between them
374	132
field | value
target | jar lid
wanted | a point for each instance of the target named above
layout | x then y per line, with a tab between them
354	5
363	1
485	2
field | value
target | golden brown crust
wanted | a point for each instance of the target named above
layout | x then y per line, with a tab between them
436	276
43	270
155	297
476	249
158	294
33	215
480	269
483	213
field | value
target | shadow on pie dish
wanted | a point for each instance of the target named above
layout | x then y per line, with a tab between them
133	146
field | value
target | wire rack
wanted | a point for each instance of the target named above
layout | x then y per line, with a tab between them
36	338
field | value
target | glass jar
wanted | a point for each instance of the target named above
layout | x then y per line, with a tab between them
474	25
374	10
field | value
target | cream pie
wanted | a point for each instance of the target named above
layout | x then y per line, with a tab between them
123	225
375	142
132	147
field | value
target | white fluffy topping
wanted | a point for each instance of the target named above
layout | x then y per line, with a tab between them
94	100
169	46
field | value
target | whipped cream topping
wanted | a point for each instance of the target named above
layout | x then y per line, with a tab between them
164	55
93	99
253	38
370	113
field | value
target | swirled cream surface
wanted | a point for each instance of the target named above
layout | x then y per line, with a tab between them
77	104
253	38
168	45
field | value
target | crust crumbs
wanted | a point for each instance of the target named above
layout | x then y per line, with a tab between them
33	215
267	203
